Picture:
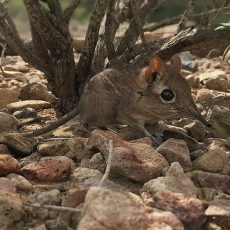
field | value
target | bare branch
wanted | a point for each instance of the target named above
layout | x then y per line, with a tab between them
188	11
53	207
132	34
83	66
176	19
1	58
55	7
69	10
109	164
225	3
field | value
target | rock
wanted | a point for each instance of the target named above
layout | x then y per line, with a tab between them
53	148
98	162
188	61
204	95
11	209
194	155
220	212
211	180
35	104
77	146
211	161
18	144
136	161
8	123
193	80
4	149
28	112
51	197
16	67
80	174
36	91
219	117
8	164
6	185
20	182
105	208
196	130
192	143
176	150
13	74
8	96
189	210
48	169
174	181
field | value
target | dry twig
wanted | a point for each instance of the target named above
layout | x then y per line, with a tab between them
176	19
109	163
53	207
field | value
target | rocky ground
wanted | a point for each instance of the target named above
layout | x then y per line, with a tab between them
182	184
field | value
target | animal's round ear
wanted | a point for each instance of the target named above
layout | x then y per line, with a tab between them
156	67
156	64
176	62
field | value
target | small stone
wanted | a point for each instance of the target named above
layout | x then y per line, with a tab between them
35	104
196	130
189	210
219	117
18	144
8	96
176	150
215	80
11	209
53	148
98	162
78	147
136	161
220	212
4	149
216	181
211	161
192	143
193	80
105	208
28	112
34	91
8	164
188	61
81	174
20	182
16	67
51	197
8	123
174	181
48	169
204	95
6	185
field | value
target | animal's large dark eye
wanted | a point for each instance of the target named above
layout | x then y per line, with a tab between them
154	76
167	95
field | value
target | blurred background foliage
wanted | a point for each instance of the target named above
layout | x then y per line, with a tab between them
168	9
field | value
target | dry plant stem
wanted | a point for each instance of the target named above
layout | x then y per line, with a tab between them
188	11
109	163
226	3
53	207
69	10
1	58
176	19
131	35
139	27
84	64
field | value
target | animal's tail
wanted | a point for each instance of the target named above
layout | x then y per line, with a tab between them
53	125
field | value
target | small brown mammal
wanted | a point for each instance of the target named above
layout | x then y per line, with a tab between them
134	96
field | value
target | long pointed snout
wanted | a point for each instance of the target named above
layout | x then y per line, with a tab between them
193	112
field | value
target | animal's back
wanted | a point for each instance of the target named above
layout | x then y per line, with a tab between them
106	94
